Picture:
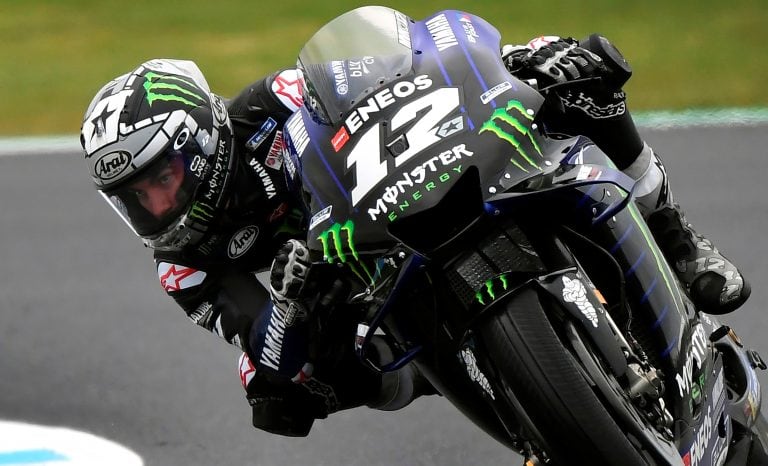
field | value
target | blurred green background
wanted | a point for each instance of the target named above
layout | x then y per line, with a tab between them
55	54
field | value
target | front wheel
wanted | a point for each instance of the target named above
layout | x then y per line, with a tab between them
556	394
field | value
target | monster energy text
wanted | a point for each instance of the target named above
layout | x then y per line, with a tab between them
418	176
217	177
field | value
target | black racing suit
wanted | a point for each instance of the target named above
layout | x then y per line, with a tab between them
215	281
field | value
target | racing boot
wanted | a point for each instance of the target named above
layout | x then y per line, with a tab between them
713	283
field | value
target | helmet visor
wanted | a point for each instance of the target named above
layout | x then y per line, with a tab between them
161	193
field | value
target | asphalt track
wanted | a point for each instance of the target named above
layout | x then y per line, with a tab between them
89	340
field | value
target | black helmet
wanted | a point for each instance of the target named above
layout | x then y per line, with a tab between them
159	147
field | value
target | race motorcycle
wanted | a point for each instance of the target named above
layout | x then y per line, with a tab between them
510	266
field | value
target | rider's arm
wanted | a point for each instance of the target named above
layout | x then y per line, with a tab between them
226	303
277	95
238	308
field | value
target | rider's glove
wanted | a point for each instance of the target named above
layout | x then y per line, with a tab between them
279	406
551	60
585	96
287	279
280	340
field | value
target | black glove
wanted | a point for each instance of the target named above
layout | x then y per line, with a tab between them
279	406
558	61
288	278
578	105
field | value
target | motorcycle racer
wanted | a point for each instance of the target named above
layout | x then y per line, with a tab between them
199	179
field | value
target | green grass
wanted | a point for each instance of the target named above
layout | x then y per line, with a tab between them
55	54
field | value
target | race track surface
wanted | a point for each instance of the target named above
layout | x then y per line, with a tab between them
90	341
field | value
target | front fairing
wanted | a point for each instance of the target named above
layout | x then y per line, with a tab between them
389	144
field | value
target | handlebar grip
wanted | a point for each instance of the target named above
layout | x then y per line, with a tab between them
619	69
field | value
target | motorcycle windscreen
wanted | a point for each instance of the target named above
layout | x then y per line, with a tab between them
338	65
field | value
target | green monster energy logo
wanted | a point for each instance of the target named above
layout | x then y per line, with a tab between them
506	115
487	293
169	88
201	211
696	388
336	247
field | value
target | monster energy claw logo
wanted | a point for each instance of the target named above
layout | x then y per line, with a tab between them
335	247
201	211
170	88
333	235
506	116
488	291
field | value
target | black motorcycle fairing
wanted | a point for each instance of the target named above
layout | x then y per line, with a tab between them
400	149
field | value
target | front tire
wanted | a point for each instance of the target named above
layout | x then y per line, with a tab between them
529	356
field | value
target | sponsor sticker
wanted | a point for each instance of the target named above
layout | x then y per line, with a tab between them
242	241
112	165
298	134
701	442
441	32
575	292
177	277
261	135
247	371
440	166
403	32
451	127
469	28
588	173
341	138
474	372
493	92
587	105
287	87
384	99
340	77
697	354
320	217
274	158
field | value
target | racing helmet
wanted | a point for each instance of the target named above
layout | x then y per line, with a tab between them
159	147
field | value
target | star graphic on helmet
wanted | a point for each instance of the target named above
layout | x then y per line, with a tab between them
100	121
171	280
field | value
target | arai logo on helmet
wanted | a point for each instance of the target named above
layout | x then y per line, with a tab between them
242	241
111	165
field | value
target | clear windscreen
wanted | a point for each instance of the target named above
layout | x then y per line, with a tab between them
352	56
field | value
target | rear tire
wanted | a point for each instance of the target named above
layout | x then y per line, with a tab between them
557	396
